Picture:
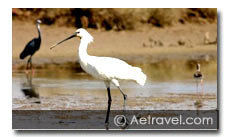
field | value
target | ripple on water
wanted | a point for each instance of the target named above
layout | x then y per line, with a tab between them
81	94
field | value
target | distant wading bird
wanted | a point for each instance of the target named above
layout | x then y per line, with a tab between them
32	47
110	70
198	77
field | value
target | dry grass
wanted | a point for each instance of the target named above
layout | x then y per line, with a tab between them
117	18
200	15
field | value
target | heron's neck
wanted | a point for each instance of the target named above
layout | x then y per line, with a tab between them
39	31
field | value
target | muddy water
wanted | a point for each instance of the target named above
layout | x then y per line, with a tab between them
60	90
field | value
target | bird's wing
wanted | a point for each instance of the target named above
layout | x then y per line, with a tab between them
31	43
111	67
29	49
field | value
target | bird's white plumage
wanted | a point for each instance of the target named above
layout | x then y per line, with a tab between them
111	70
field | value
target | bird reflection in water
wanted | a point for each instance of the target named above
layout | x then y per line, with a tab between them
28	88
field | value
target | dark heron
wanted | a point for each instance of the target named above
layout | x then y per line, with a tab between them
32	47
198	77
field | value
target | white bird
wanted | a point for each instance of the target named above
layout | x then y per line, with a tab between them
110	70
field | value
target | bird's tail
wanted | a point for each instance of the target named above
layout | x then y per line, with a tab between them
22	55
140	77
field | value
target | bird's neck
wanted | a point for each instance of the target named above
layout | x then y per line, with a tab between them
39	31
82	50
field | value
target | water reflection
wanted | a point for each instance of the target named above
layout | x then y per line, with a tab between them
199	102
64	90
28	89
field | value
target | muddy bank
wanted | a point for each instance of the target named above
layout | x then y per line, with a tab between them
181	43
156	102
52	89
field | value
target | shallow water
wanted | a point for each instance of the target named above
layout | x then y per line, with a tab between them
77	91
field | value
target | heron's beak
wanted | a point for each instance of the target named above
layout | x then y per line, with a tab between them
70	37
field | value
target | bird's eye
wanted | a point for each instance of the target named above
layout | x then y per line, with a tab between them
78	32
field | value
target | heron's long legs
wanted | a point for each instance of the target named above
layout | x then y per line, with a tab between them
29	63
109	106
198	95
31	67
202	86
197	86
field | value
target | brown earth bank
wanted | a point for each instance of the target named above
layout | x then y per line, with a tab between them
163	102
179	44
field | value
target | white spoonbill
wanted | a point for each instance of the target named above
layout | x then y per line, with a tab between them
110	70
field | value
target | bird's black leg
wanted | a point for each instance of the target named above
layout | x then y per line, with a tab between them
124	120
31	66
109	106
197	86
202	88
124	98
29	63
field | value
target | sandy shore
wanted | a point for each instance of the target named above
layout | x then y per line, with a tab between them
162	102
143	46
